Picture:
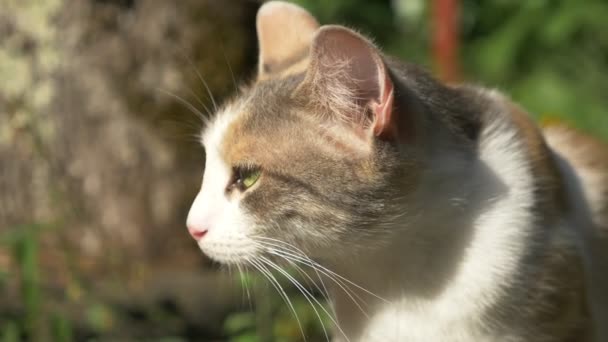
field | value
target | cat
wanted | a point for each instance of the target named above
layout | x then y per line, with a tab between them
430	212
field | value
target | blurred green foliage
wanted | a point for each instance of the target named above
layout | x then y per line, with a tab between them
272	319
549	55
32	324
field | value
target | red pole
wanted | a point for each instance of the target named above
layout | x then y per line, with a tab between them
445	14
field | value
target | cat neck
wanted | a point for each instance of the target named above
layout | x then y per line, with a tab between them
473	221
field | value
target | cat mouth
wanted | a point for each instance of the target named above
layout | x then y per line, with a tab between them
244	251
234	252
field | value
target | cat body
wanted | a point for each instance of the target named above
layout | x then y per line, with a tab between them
452	216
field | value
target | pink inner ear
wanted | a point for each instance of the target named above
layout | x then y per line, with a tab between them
384	126
347	64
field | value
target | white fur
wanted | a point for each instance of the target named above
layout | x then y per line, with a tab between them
228	227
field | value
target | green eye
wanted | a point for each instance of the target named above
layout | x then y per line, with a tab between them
244	178
251	177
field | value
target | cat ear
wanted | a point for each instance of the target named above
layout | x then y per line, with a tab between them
349	76
285	32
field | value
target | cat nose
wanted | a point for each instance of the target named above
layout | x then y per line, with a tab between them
196	233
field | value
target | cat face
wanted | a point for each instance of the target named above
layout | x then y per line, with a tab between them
304	158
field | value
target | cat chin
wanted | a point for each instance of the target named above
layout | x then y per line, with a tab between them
235	251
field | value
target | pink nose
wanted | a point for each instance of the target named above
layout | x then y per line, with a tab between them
197	233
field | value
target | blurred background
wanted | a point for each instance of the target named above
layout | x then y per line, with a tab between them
99	160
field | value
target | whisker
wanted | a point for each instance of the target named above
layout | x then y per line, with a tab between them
181	130
236	88
308	279
244	286
291	258
188	105
324	292
199	100
300	288
311	262
305	292
200	77
275	283
349	292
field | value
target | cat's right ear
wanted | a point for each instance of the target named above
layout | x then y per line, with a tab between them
285	32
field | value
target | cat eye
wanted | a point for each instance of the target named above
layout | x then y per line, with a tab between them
245	177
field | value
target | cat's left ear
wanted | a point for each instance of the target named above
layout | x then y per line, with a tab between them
347	74
285	32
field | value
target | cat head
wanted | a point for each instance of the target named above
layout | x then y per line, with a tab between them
317	154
